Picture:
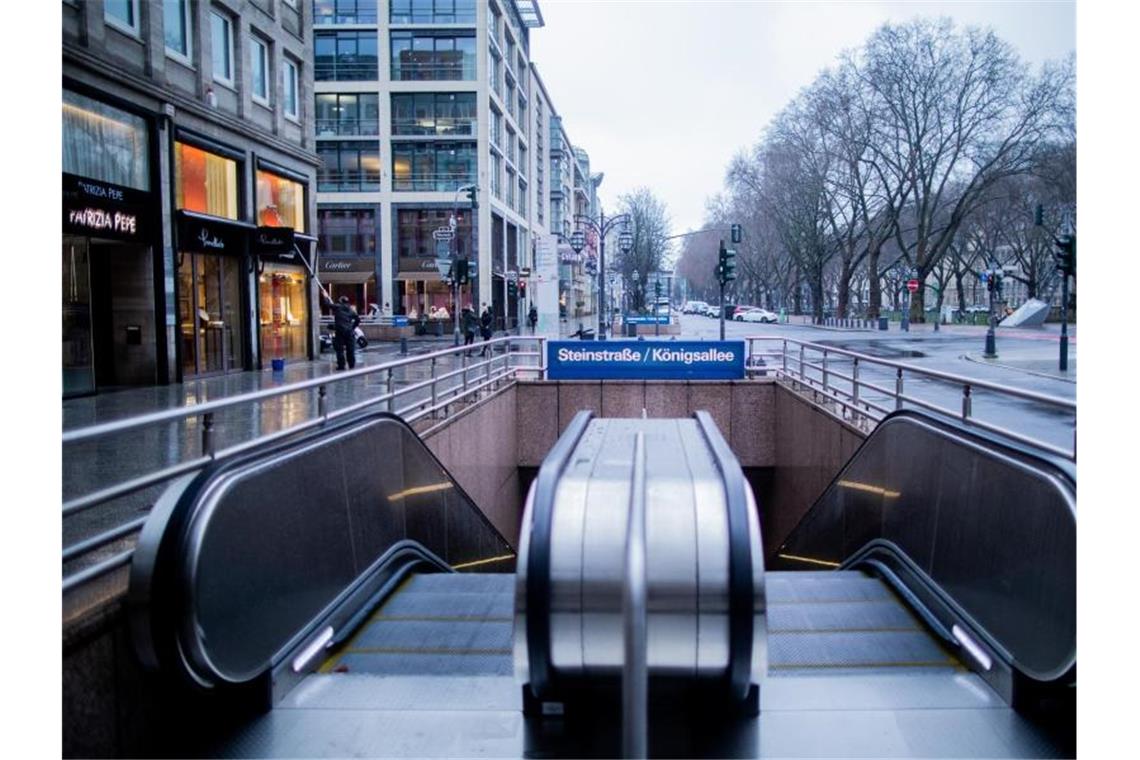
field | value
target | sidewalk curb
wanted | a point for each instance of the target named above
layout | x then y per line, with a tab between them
989	363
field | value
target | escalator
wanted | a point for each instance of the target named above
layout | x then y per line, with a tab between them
340	595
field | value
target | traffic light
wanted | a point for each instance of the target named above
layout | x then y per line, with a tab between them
1065	255
522	289
726	267
461	271
512	289
736	233
472	269
473	196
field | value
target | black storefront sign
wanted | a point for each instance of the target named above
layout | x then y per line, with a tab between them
202	235
101	209
273	240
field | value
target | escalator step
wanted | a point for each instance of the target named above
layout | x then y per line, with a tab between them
425	605
428	663
469	583
855	650
434	635
883	615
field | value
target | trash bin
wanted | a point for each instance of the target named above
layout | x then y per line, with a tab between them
882	323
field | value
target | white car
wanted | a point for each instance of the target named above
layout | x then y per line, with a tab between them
759	315
694	307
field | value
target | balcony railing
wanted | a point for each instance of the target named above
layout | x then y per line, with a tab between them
324	17
431	182
346	72
347	127
438	127
433	72
331	181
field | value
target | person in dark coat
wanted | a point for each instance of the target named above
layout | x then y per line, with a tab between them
469	324
345	320
485	322
532	317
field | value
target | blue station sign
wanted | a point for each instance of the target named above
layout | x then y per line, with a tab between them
645	360
658	320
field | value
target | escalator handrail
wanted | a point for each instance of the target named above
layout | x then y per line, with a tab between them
1060	471
741	584
160	588
538	581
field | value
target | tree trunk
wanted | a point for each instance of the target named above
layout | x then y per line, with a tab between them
844	289
817	296
918	304
876	293
961	295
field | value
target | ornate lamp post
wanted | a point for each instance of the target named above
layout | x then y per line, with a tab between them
602	226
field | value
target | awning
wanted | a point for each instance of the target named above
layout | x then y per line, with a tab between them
346	278
417	276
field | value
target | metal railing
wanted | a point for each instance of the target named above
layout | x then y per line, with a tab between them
440	182
331	180
348	127
457	71
344	71
436	126
429	398
863	389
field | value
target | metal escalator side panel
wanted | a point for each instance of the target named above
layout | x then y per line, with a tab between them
985	530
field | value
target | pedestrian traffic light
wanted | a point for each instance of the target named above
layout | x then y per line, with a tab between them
1065	255
736	233
461	271
473	196
657	289
512	289
522	289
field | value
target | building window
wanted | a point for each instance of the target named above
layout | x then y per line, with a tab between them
414	229
496	127
522	197
259	69
344	12
432	56
291	79
176	27
104	143
439	114
280	201
348	167
205	182
282	307
496	187
510	189
346	232
348	114
493	72
345	56
222	37
433	166
432	12
123	15
522	161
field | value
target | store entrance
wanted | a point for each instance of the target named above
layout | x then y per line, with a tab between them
209	309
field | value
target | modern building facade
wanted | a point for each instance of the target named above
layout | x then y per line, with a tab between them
188	156
415	103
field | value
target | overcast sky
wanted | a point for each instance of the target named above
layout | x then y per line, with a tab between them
663	92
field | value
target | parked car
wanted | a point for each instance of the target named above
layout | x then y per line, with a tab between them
711	311
694	307
759	315
739	312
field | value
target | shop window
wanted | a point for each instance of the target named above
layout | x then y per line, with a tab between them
205	182
123	15
280	202
104	143
283	312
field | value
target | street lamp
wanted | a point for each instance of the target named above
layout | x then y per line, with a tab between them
602	226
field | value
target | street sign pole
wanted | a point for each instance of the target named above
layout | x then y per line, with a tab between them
991	338
1064	364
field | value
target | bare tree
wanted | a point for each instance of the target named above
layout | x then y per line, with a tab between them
649	224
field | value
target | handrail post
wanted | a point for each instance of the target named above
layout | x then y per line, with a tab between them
542	357
434	390
390	384
322	402
803	377
967	403
898	387
855	380
635	670
463	365
208	434
784	356
824	370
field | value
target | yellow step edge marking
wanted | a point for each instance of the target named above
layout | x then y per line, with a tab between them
489	560
439	618
881	600
425	650
330	664
809	560
889	629
838	666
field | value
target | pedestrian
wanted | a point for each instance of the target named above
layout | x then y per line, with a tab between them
345	320
532	317
469	323
485	322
